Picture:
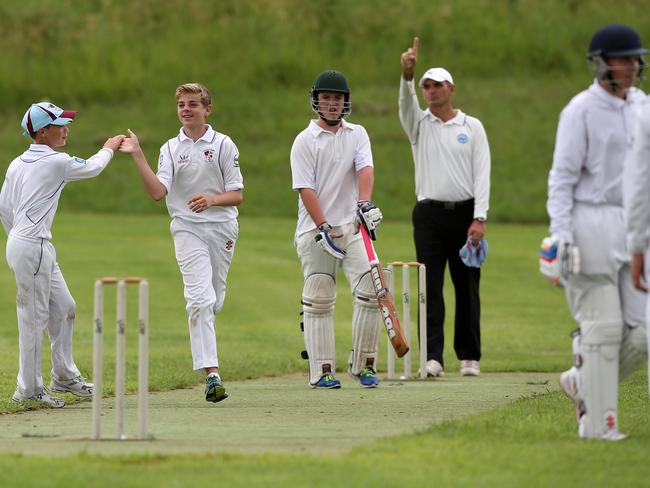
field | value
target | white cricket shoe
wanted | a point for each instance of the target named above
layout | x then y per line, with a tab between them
78	386
42	396
610	435
469	367
569	385
434	368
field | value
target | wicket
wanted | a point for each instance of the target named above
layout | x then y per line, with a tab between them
406	316
120	354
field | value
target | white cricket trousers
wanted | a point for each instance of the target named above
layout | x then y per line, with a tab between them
599	233
603	302
43	302
204	252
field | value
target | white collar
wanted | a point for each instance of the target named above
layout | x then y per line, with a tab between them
207	136
44	148
317	129
458	119
604	95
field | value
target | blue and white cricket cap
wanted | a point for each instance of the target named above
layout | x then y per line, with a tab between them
42	114
437	74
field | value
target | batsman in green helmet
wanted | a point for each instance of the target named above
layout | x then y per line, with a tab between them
332	171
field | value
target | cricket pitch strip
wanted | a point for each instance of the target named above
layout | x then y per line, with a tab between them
271	415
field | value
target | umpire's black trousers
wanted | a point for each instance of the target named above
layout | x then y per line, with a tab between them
440	230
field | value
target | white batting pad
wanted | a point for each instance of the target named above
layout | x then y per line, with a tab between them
633	351
601	327
366	324
318	298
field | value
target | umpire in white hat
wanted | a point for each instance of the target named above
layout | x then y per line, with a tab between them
452	186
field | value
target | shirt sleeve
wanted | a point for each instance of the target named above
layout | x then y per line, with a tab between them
481	168
568	157
6	208
409	109
229	162
638	201
165	172
303	164
80	169
363	152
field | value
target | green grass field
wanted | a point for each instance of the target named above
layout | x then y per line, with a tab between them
525	329
516	63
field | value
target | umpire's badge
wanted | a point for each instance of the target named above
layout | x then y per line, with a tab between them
209	155
462	138
229	245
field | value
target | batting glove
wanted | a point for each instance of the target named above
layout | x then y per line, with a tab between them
325	237
369	216
558	260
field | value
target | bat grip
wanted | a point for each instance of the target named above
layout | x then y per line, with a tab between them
370	249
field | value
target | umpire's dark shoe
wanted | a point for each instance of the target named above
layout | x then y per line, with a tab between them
214	389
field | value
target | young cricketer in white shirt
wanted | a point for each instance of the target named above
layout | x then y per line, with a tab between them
28	202
585	206
332	169
198	173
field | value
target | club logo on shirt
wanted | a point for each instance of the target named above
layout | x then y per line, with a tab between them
184	159
462	138
229	245
209	155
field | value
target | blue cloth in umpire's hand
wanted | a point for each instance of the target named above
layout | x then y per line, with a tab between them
473	256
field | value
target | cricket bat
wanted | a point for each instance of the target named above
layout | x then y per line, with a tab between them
384	298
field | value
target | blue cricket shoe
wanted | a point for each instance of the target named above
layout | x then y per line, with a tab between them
368	377
327	382
214	389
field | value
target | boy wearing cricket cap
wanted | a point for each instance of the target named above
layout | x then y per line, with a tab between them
28	202
199	177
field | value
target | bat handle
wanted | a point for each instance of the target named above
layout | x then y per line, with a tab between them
370	249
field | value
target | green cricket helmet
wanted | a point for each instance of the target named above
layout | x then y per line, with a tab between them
331	81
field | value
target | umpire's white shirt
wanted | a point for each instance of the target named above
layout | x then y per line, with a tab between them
33	185
328	162
208	166
594	135
452	159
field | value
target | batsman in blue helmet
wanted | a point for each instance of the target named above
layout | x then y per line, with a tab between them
588	235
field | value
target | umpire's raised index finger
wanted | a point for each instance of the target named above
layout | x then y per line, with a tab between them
416	44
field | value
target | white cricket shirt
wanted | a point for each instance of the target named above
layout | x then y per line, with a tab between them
209	166
328	163
638	182
33	185
452	159
594	135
